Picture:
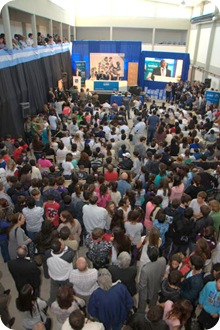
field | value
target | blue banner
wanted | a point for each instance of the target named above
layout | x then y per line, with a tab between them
212	97
81	68
105	85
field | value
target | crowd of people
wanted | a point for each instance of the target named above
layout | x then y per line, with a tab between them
20	42
140	195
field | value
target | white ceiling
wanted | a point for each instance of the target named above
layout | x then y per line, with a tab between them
190	3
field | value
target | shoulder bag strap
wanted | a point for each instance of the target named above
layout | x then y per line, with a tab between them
42	320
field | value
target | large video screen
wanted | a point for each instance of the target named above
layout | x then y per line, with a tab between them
163	69
110	63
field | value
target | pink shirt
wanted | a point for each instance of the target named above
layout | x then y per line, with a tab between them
44	163
147	221
172	322
103	200
177	192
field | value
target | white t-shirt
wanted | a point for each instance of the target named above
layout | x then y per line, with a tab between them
66	142
67	167
87	326
53	122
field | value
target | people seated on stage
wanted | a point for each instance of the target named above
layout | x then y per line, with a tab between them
102	76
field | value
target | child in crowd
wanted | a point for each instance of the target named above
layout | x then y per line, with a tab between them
51	208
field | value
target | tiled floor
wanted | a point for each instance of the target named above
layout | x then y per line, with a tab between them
8	283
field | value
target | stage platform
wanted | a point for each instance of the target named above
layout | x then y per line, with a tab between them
107	85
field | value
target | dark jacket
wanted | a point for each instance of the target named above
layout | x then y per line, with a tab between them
139	321
168	293
182	229
24	272
126	164
126	276
191	287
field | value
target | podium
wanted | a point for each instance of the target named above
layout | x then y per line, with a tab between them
77	82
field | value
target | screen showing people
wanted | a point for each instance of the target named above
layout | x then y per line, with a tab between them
158	69
106	66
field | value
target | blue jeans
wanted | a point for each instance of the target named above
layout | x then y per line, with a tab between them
150	134
4	250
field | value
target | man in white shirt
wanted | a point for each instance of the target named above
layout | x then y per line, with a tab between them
125	128
35	172
139	130
84	279
106	106
58	107
94	216
66	141
59	262
107	130
77	320
30	40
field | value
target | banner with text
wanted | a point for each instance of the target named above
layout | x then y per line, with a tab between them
81	71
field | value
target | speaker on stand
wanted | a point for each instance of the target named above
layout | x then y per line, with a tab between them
208	82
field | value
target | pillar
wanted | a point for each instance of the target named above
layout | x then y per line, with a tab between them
110	33
68	33
153	38
24	29
7	26
50	27
34	29
61	31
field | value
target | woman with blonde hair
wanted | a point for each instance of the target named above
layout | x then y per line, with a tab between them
11	168
79	142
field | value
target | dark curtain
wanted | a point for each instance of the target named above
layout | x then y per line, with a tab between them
29	82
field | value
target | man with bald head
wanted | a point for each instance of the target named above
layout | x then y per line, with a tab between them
123	185
25	271
84	279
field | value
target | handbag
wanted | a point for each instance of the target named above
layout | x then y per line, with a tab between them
48	322
82	308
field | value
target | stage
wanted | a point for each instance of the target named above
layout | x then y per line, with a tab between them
107	85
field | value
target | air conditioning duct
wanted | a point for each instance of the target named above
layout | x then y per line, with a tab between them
203	18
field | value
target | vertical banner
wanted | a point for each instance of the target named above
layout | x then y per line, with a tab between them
81	71
132	73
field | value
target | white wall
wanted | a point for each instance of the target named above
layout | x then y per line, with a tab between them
16	28
170	48
192	41
215	57
46	9
203	42
198	75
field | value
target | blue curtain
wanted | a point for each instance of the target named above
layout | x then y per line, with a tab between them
82	49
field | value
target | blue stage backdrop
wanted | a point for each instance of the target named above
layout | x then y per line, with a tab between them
82	49
156	87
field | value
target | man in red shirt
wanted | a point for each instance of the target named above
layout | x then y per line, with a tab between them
110	175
